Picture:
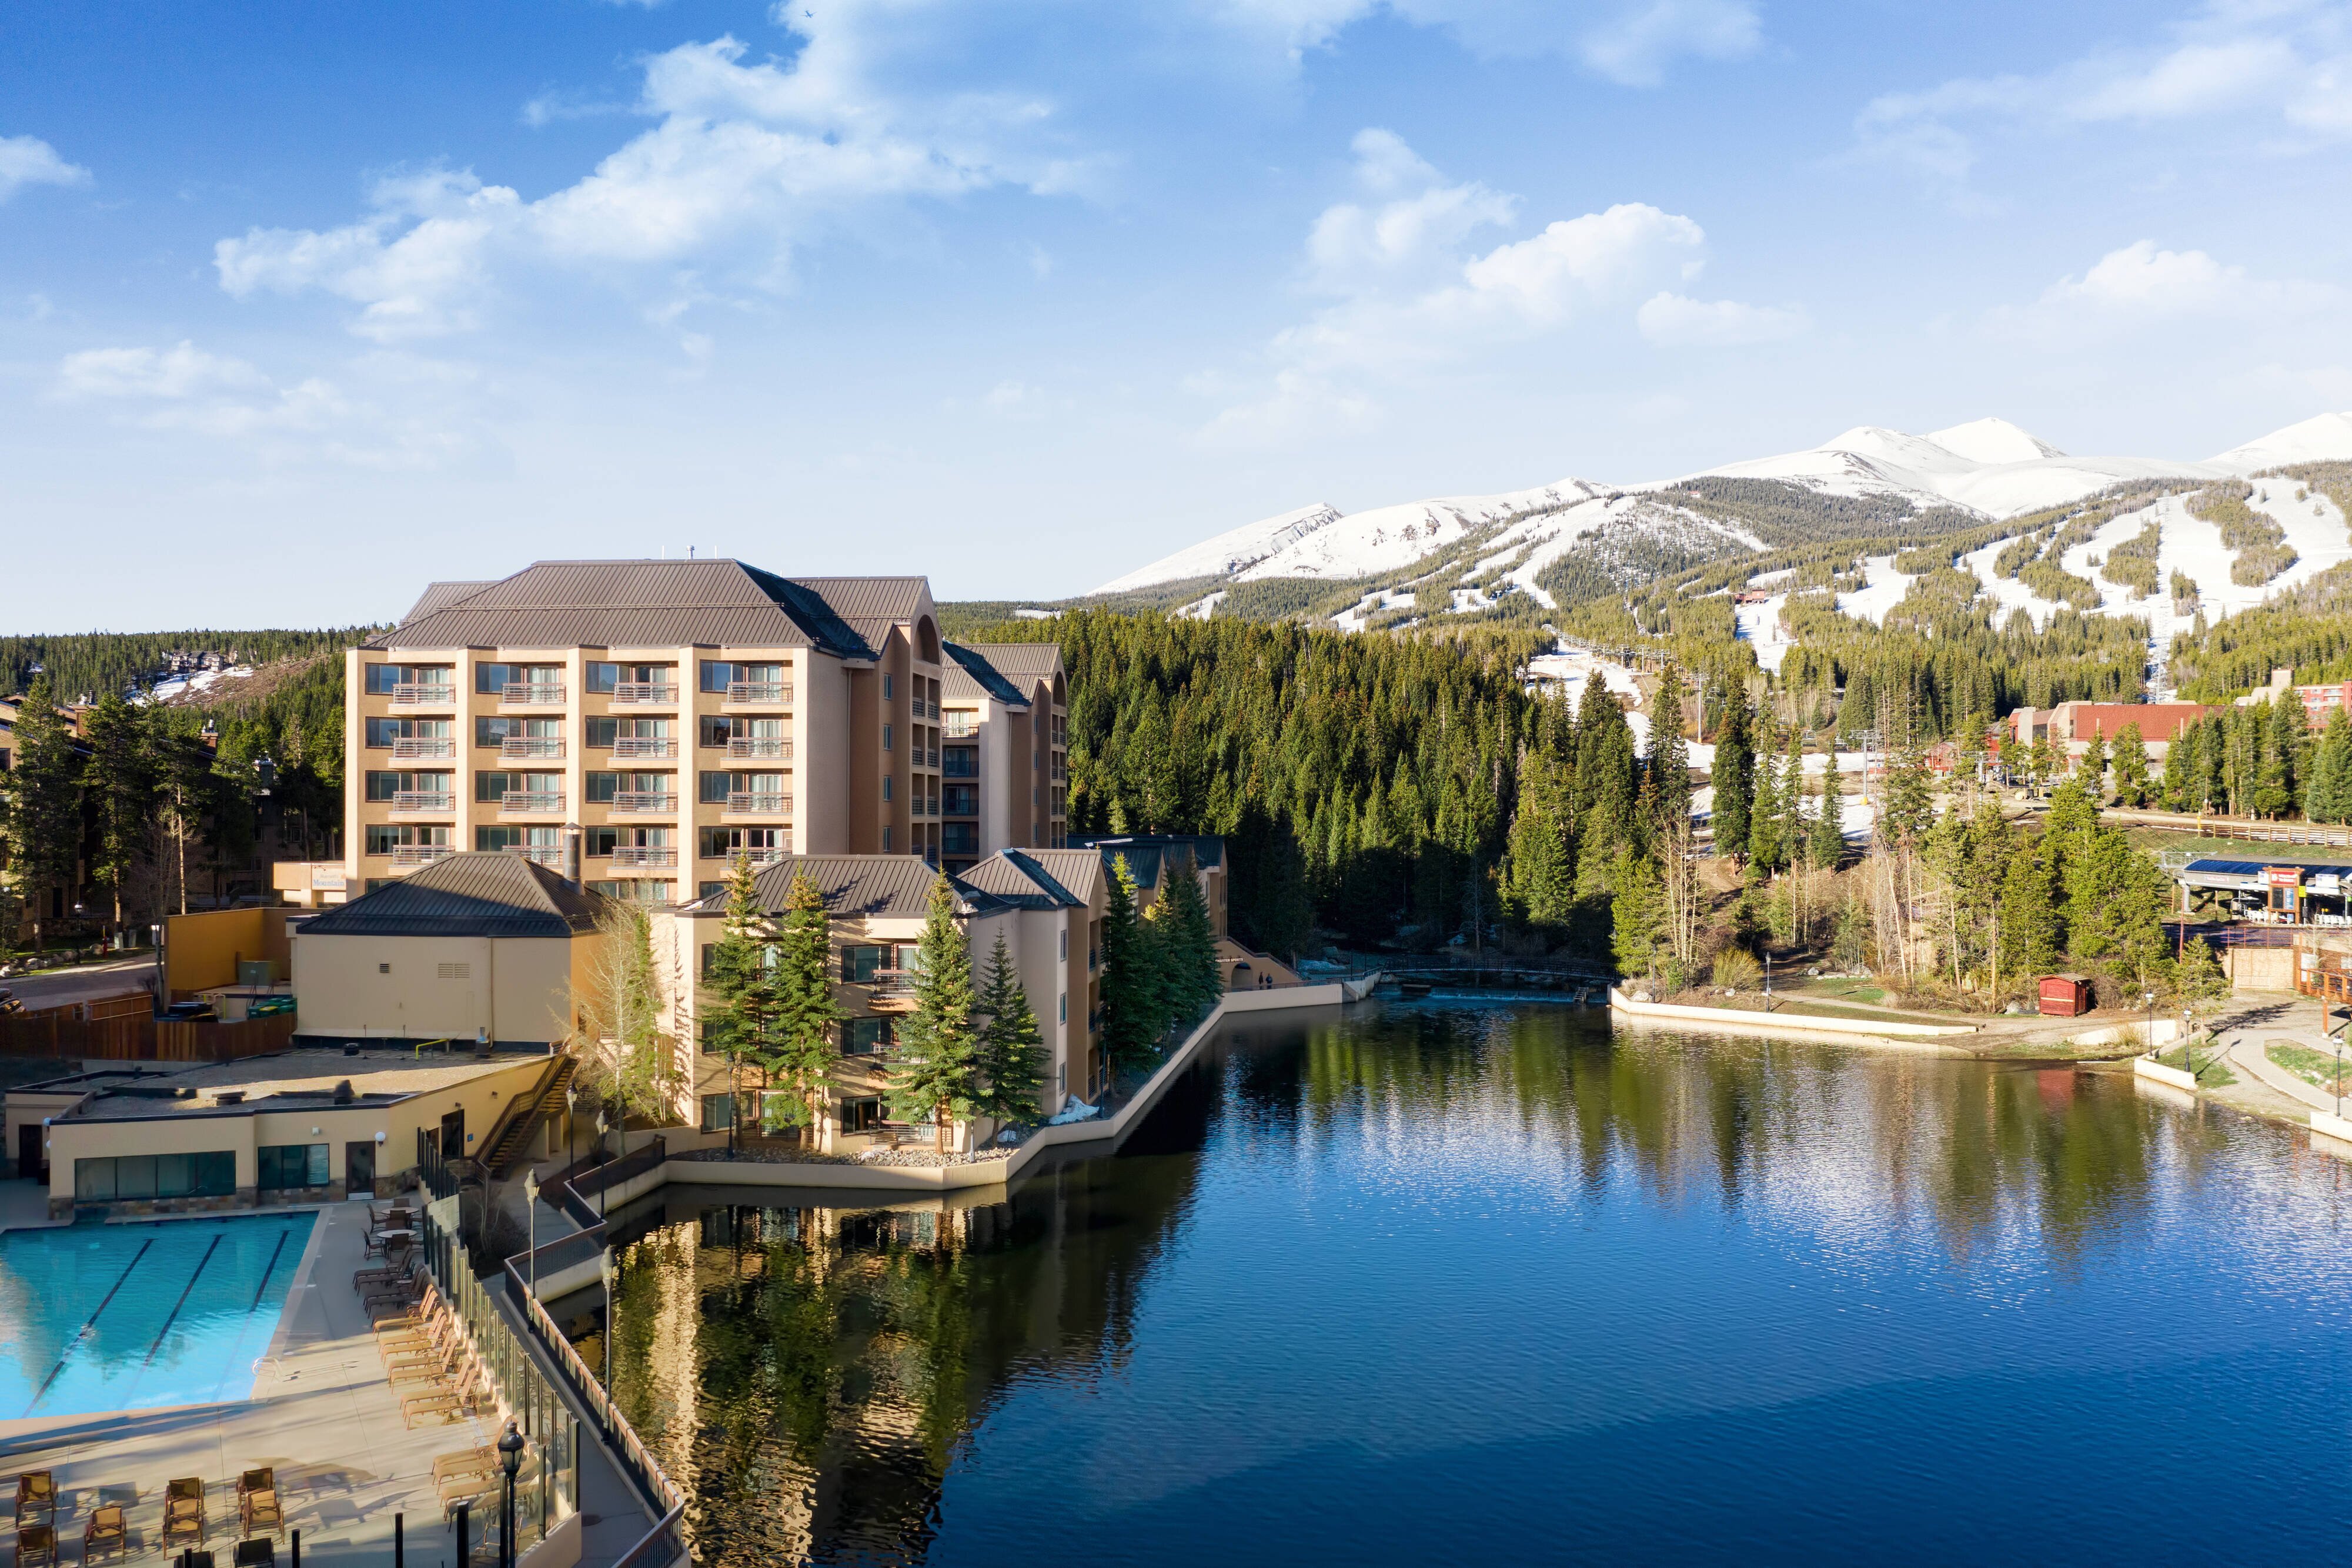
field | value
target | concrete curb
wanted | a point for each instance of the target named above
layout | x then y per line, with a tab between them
1837	1031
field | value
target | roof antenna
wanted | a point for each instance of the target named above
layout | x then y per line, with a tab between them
689	552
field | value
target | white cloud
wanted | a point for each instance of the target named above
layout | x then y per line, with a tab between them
1631	42
1409	291
2139	286
746	161
178	372
29	161
1675	322
2264	59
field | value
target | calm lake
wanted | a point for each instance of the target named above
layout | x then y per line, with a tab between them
1430	1284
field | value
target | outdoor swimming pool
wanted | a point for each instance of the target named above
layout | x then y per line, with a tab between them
126	1317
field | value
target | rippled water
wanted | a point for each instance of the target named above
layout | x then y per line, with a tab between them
1430	1284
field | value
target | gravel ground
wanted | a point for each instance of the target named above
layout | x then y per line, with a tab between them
778	1157
930	1158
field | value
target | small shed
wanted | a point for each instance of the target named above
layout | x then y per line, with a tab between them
2066	995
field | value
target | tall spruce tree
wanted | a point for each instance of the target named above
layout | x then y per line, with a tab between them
2131	767
742	982
1734	786
1132	1018
1187	940
934	1069
1539	882
1637	937
801	1050
120	779
1669	760
1767	810
1012	1052
43	805
1828	836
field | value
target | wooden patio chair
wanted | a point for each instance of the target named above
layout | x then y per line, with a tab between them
183	1512
36	1547
467	1463
261	1553
258	1510
440	1369
263	1477
37	1496
463	1398
108	1531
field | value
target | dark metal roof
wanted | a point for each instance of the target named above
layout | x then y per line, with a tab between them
1017	879
898	600
968	675
439	596
1144	851
642	604
1023	661
471	894
885	887
2255	868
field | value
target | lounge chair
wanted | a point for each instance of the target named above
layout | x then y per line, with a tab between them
462	1398
262	1552
183	1512
108	1531
36	1547
465	1464
36	1497
442	1369
257	1511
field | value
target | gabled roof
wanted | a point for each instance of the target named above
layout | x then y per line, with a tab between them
643	603
440	596
1144	851
1023	661
1080	872
897	599
478	893
880	887
1019	879
971	677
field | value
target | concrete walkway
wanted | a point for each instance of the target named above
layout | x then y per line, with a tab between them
2247	1052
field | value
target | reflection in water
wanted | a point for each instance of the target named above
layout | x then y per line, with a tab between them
886	1385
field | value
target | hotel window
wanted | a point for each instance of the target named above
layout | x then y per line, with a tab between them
602	787
890	738
383	731
717	675
865	1037
383	679
862	1114
718	1112
960	800
960	762
885	789
125	1177
601	677
1065	954
598	843
889	688
285	1165
959	838
1062	1015
385	786
384	838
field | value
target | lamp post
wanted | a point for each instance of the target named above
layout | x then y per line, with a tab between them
509	1461
609	1269
604	1127
531	1208
2151	1029
571	1123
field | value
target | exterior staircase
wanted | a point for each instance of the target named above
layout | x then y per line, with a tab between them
513	1134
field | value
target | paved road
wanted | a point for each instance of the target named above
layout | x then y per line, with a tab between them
56	987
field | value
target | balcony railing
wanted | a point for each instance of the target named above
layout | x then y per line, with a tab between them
545	854
424	800
761	803
407	746
548	747
531	800
644	854
770	748
637	803
961	726
759	691
424	693
532	694
644	746
643	694
756	857
419	854
892	989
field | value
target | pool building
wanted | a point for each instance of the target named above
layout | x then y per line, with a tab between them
295	1127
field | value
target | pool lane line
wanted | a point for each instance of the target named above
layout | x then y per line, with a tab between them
272	1268
182	1302
52	1377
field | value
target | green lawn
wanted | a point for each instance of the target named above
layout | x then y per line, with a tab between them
2212	1072
2317	1067
1869	992
2156	839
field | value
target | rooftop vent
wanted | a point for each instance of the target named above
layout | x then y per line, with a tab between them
229	1097
351	1051
343	1092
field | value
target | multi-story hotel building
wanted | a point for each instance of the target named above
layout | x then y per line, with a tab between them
639	724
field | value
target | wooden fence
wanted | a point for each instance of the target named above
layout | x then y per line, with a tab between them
141	1038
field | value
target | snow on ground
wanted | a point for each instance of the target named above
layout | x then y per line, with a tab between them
2007	593
2324	439
1202	609
1389	539
1352	619
1759	625
1885	590
201	681
1230	551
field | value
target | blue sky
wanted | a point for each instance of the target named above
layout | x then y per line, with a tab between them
302	305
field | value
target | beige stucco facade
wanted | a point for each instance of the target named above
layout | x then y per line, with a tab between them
510	990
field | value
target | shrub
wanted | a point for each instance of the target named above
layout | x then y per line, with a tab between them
1735	969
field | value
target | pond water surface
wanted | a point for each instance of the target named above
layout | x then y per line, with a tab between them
1494	1284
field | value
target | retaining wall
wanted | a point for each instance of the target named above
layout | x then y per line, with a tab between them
1740	1022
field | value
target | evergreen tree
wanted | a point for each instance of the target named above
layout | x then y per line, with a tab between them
1132	1017
1539	882
934	1071
1768	806
1669	760
2328	798
2271	745
1187	940
1011	1053
2094	768
2131	766
2028	916
120	779
1910	794
1638	936
184	788
1828	845
40	811
2289	748
2199	984
801	1047
1734	787
742	982
2118	899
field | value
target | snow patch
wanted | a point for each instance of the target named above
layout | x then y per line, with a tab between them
1885	590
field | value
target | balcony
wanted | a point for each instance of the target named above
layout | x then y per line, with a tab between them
893	991
550	855
644	854
527	802
529	748
766	747
759	803
656	745
531	694
411	856
759	691
429	801
961	726
643	802
424	693
755	856
644	693
407	745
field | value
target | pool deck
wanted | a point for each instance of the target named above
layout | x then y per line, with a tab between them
321	1411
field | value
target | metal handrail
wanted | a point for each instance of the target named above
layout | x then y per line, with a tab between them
772	802
424	800
546	745
420	854
542	854
626	801
644	854
642	1555
644	746
771	746
531	800
627	692
759	691
423	746
533	694
423	694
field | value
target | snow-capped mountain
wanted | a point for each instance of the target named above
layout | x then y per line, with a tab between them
1987	469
